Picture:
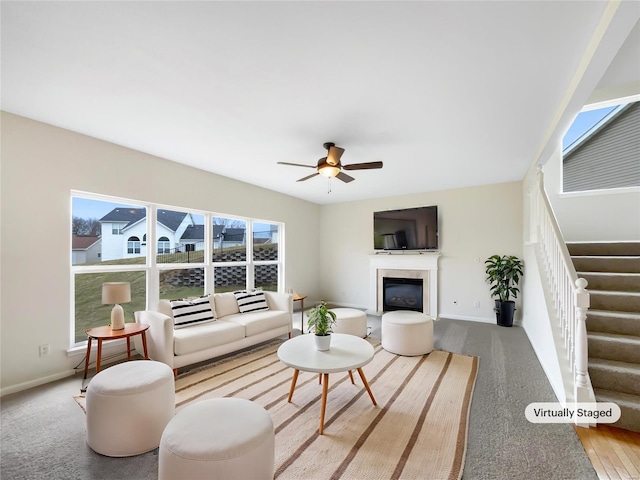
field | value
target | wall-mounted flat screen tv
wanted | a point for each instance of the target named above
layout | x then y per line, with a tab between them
406	229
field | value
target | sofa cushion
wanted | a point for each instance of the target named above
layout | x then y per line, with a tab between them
258	322
190	312
253	301
208	335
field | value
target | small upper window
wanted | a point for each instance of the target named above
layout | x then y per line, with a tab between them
600	150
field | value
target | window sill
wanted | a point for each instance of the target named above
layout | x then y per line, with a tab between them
595	193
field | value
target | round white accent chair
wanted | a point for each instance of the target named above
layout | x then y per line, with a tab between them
128	407
350	321
405	332
225	438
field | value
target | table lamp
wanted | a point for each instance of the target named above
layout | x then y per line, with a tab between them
116	293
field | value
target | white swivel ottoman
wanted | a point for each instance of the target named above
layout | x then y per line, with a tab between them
405	332
222	438
128	407
350	321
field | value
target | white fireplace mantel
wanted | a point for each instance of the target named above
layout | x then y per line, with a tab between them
425	265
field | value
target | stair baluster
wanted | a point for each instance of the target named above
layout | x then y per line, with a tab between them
569	296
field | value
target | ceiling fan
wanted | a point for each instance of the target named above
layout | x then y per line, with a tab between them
330	165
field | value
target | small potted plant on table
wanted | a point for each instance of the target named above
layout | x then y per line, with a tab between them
321	319
503	274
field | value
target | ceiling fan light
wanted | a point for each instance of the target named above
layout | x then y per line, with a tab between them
328	171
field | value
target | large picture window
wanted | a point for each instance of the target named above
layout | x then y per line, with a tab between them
188	254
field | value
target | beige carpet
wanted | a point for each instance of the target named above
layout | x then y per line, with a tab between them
418	430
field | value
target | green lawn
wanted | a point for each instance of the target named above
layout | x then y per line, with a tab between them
90	312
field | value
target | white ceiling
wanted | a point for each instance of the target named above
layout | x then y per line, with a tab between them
446	94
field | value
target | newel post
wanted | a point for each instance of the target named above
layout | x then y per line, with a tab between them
581	360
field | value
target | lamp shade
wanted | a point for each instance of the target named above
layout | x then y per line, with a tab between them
116	292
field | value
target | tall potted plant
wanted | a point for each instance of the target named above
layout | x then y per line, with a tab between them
321	319
503	274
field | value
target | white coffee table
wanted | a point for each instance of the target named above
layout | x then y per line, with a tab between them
347	353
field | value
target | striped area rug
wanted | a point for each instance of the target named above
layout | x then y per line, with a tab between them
418	430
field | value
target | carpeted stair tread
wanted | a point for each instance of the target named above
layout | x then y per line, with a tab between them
613	281
610	346
604	248
629	405
615	301
617	376
617	264
612	270
620	323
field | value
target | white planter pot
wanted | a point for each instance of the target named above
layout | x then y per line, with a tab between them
323	342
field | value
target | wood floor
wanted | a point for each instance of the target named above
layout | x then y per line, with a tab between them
614	453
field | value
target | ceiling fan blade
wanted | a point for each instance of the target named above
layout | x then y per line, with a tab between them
344	177
307	177
296	164
334	154
363	166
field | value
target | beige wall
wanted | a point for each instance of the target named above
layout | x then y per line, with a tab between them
41	164
474	223
608	215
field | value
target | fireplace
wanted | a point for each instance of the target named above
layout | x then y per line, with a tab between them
421	268
402	294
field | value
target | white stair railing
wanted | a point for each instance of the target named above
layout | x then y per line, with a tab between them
569	295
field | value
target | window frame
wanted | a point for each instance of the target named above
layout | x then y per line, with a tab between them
153	269
618	105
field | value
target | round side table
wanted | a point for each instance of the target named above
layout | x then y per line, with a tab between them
105	333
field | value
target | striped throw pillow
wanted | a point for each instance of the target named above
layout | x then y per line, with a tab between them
251	301
191	312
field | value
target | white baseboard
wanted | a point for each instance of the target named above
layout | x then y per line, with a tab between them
467	318
350	305
113	351
561	395
35	383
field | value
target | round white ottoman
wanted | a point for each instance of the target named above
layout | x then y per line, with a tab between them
406	332
223	438
128	407
351	321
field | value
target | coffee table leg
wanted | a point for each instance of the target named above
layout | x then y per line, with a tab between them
323	407
293	384
351	377
86	362
366	385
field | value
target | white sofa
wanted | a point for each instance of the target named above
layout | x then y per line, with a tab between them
230	331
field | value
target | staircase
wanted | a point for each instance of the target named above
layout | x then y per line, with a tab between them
613	323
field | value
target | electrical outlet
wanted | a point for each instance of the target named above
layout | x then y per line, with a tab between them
476	303
45	349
